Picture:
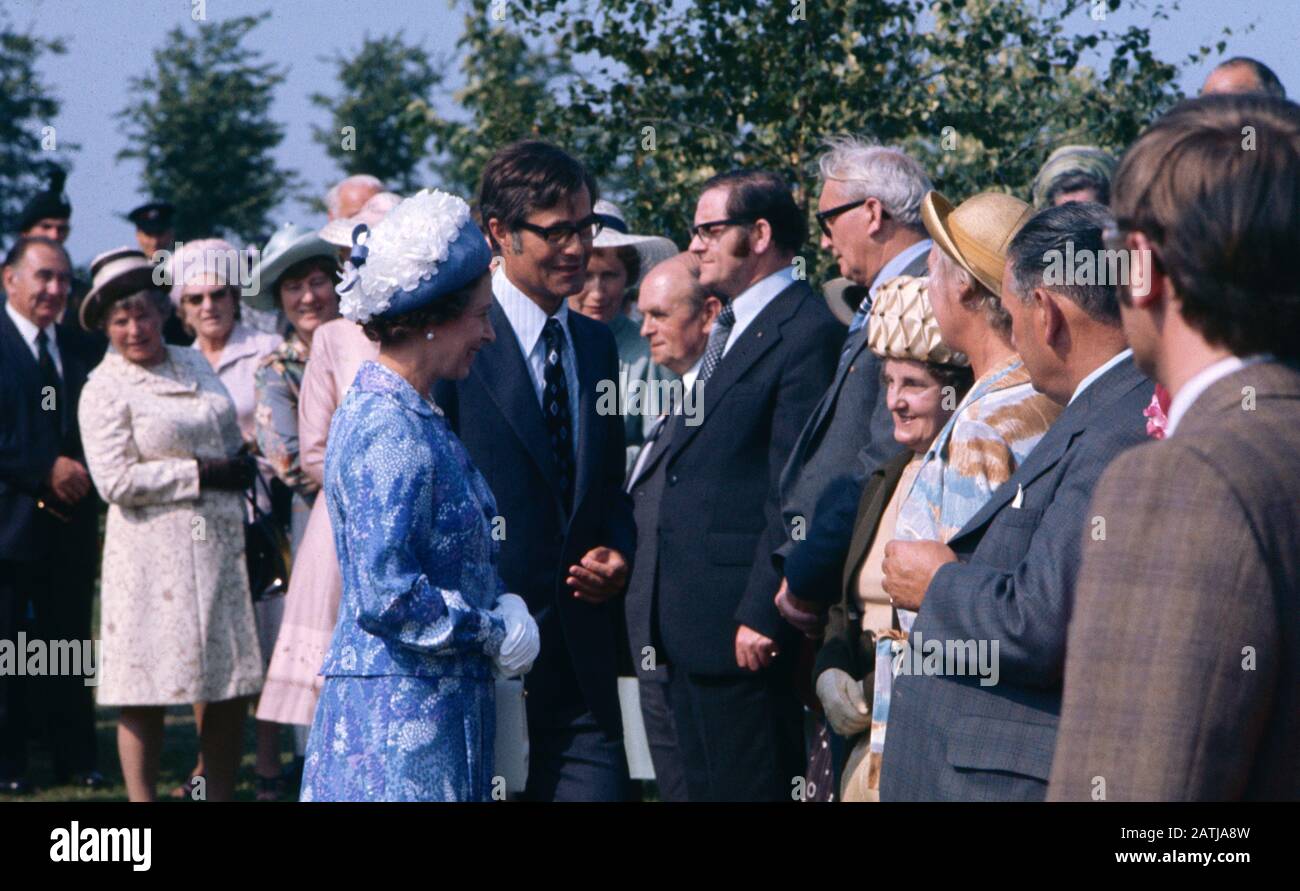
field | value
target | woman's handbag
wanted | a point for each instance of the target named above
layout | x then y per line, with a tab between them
266	548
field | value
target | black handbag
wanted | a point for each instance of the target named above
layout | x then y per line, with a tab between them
266	549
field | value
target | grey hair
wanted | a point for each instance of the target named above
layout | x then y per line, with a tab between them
990	304
877	171
358	179
149	298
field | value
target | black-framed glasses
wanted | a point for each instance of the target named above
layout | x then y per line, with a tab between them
561	234
712	231
824	217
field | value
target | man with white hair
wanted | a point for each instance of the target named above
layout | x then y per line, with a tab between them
870	217
346	198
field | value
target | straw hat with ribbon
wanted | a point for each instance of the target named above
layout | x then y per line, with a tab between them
976	233
115	274
652	248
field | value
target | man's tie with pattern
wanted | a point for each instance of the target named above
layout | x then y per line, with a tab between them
557	411
717	343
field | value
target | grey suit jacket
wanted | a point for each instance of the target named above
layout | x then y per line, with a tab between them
950	737
1183	675
849	434
640	604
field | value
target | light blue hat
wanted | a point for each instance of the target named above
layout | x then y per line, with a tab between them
425	248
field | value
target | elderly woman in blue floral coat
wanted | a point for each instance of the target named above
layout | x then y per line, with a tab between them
407	711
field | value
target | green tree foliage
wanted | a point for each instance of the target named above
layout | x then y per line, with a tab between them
510	93
200	123
27	149
980	90
386	88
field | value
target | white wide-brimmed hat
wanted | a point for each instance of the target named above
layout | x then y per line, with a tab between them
339	232
652	248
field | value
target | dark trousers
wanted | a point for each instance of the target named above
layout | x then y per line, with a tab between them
571	759
661	734
50	600
740	736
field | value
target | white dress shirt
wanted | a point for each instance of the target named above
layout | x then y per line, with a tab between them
1202	381
528	319
28	331
1099	371
754	299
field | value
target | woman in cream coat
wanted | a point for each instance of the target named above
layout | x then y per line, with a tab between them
163	448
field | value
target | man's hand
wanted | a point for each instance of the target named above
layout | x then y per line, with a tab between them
807	617
754	650
600	575
68	480
909	567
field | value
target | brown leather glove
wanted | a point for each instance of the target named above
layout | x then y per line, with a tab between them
231	474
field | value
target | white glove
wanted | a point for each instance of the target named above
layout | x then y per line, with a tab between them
841	696
522	641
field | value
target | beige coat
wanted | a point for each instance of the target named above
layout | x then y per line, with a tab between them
176	623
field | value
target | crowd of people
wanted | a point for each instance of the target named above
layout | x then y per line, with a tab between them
1008	511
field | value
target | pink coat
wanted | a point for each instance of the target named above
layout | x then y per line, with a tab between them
311	607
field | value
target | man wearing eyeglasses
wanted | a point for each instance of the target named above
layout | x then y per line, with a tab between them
770	354
870	218
527	414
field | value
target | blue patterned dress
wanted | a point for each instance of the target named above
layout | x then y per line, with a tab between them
407	710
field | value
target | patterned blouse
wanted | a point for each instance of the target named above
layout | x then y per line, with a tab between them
278	381
993	430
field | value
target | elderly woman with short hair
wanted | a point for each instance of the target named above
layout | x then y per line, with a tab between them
923	378
998	423
164	451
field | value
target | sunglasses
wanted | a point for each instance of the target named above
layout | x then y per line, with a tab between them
824	217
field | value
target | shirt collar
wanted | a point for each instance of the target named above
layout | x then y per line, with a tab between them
688	379
26	328
751	301
1099	371
1202	381
899	262
526	317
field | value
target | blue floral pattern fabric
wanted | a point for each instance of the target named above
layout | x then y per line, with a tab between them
406	711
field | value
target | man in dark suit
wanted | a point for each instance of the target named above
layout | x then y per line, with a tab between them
1182	680
770	355
870	217
677	314
527	414
48	512
978	720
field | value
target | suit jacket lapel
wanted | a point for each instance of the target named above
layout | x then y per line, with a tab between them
763	334
510	385
26	362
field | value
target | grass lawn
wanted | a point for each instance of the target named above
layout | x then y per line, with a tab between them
180	750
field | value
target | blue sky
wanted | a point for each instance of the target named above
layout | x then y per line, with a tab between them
110	40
